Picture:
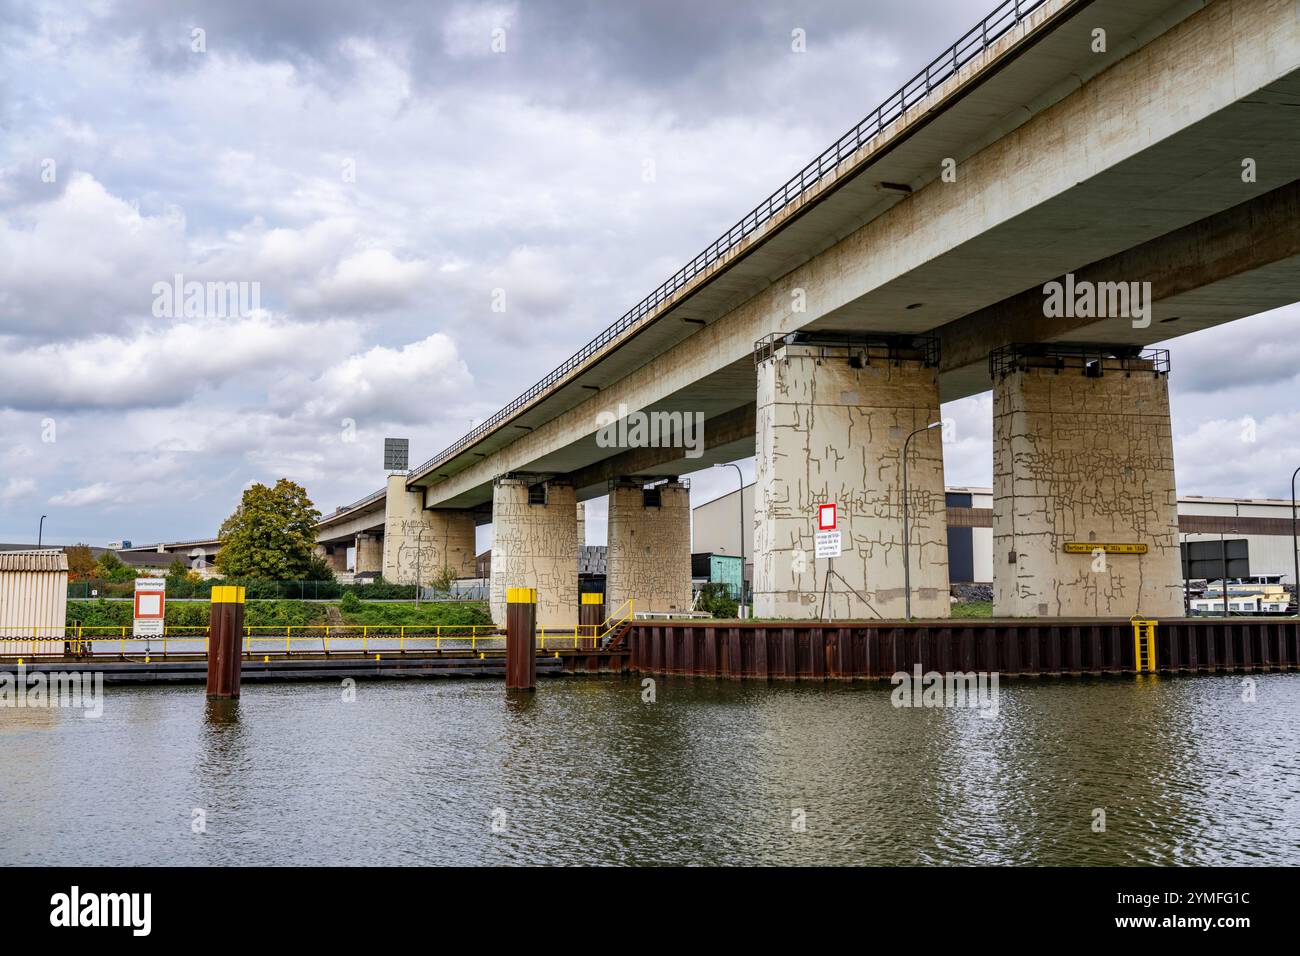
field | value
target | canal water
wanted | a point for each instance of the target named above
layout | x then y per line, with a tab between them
587	771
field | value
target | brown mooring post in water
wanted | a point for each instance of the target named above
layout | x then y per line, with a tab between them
521	638
591	615
225	637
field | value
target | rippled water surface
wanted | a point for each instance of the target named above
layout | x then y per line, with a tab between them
712	772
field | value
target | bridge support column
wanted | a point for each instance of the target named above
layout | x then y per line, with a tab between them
535	545
1083	457
370	554
420	543
335	556
649	558
831	425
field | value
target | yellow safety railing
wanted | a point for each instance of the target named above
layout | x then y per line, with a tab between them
1144	645
81	639
584	635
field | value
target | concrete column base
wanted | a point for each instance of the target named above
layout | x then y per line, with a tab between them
535	546
370	553
335	556
830	432
649	547
1082	460
419	544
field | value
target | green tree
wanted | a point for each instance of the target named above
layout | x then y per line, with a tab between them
318	569
716	598
111	568
271	534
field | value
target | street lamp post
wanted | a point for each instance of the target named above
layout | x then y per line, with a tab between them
418	535
1295	551
40	531
907	562
740	475
1185	554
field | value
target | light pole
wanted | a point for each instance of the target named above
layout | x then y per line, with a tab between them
907	563
1185	553
418	535
1295	554
40	531
740	475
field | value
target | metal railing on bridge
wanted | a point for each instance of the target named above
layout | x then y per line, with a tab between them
1004	17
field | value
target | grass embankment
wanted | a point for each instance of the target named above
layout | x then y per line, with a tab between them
103	613
290	613
425	614
973	609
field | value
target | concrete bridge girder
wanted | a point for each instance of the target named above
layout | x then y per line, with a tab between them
1146	146
1126	167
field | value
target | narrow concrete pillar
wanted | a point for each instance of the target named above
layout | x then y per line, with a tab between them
649	558
370	553
1083	458
423	542
832	423
334	556
535	545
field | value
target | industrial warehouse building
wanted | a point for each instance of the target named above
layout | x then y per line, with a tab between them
1255	534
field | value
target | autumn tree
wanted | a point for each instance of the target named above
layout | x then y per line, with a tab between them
271	534
81	563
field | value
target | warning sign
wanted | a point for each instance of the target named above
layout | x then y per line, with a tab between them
150	607
826	517
828	544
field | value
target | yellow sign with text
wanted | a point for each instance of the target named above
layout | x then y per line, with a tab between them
1088	547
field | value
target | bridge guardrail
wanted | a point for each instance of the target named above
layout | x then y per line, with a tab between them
1004	17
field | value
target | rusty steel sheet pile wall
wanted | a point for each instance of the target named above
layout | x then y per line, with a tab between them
798	651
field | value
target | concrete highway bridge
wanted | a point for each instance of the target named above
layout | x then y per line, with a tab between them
1143	155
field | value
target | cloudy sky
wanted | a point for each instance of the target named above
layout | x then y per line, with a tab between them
379	170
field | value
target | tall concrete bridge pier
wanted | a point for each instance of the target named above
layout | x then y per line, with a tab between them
1072	182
